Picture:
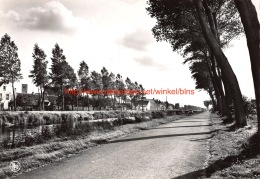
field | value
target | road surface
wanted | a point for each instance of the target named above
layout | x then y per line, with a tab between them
175	150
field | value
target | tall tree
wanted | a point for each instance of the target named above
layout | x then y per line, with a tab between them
97	85
252	29
202	75
141	88
10	68
59	73
138	94
106	83
211	38
178	22
84	79
70	82
120	86
130	87
206	104
39	73
112	79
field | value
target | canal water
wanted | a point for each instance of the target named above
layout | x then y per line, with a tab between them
7	132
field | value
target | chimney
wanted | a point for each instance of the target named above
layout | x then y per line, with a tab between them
24	88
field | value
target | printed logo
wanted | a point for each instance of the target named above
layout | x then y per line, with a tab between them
15	166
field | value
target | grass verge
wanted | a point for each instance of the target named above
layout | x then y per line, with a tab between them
233	153
39	155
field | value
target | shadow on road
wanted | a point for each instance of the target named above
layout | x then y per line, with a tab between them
186	121
179	126
159	136
191	175
202	139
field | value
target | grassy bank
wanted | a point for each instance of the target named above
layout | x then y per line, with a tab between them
57	148
233	153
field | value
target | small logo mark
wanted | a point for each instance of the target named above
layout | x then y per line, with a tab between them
15	166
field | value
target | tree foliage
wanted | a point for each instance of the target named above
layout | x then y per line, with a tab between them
10	65
39	73
62	74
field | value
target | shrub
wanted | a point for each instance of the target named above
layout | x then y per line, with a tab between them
47	119
5	143
170	113
248	106
55	118
138	117
29	140
46	132
12	118
83	128
64	117
110	114
38	138
35	119
128	120
105	125
61	130
98	115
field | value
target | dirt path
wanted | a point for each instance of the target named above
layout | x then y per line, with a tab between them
174	150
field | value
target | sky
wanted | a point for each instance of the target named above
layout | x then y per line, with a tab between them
114	34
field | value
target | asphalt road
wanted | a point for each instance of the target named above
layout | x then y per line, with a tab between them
175	150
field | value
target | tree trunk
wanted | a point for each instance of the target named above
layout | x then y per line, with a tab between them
114	102
212	99
62	96
14	95
229	102
83	102
43	97
252	29
88	102
40	99
77	102
214	29
217	79
215	105
99	104
223	63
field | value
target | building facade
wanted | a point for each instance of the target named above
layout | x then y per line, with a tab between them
6	95
150	104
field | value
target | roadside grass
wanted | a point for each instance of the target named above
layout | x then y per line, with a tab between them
233	153
31	157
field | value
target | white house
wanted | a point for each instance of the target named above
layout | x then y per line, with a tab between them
6	95
146	104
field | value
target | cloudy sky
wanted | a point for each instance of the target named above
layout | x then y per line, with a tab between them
115	34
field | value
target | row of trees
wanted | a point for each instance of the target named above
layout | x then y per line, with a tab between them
200	30
62	76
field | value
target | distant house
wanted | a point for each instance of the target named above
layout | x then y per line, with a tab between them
142	105
50	101
25	101
6	95
162	106
170	107
32	101
147	104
